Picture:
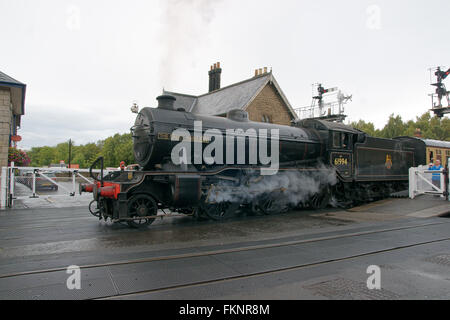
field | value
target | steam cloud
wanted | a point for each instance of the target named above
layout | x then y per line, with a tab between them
185	30
291	187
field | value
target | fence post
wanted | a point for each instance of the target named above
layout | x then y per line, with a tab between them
74	182
412	182
11	185
4	188
447	179
34	184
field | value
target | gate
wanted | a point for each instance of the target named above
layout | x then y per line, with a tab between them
19	183
420	182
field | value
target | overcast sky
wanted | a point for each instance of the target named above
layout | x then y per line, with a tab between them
85	62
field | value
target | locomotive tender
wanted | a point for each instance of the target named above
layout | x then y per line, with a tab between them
347	166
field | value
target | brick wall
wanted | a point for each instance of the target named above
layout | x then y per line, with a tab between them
5	125
268	103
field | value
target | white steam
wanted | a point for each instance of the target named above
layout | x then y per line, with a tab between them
184	33
292	187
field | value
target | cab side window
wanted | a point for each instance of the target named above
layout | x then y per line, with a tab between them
337	140
345	140
341	140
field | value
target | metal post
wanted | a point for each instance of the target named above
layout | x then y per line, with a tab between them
70	150
11	185
412	182
74	175
101	173
447	178
34	184
4	188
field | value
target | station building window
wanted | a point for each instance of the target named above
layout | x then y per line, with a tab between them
266	118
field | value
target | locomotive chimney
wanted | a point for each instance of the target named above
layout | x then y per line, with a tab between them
214	77
166	102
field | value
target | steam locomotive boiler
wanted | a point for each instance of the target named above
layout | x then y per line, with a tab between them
215	167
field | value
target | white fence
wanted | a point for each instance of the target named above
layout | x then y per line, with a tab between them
41	183
425	181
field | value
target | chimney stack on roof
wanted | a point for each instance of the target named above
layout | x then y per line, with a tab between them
259	71
214	77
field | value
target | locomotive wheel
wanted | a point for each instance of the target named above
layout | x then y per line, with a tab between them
220	211
254	208
94	209
321	199
273	204
141	205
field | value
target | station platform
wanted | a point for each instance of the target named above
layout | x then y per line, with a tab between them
296	255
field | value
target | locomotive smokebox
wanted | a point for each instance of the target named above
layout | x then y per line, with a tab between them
166	102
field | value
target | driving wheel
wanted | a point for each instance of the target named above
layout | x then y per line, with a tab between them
321	199
139	207
219	211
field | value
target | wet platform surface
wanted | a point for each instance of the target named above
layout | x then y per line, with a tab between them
296	255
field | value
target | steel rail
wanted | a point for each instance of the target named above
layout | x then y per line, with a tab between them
268	272
218	252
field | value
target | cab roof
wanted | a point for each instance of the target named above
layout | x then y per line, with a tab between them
326	125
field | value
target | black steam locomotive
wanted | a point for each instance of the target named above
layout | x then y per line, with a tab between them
216	167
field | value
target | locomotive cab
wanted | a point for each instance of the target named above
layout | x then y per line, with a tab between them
339	140
340	146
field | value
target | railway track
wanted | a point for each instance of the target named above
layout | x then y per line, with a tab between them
256	274
244	249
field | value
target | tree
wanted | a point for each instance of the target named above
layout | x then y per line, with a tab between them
42	156
367	127
394	127
118	148
430	127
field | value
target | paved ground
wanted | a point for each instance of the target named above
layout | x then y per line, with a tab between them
297	255
50	198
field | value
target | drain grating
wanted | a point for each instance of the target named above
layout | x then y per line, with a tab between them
349	290
442	259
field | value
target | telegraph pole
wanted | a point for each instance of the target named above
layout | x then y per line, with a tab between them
70	150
